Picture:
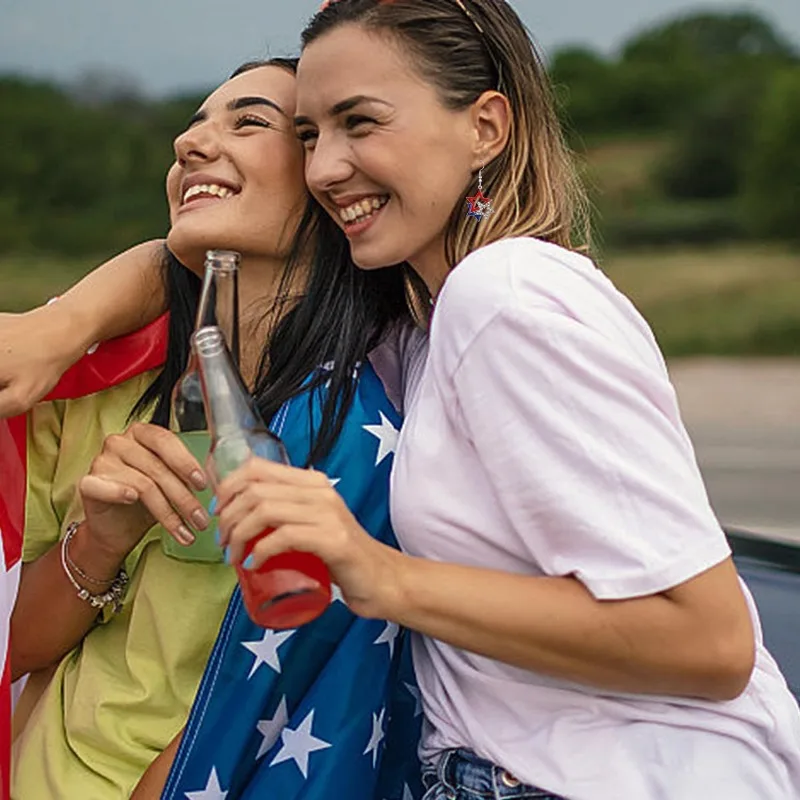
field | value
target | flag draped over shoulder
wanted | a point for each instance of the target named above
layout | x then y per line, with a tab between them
112	363
330	710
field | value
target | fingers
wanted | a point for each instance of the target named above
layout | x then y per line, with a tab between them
149	494
264	507
164	493
297	537
172	451
262	471
107	491
14	400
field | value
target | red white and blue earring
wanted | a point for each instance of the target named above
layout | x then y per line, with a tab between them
479	206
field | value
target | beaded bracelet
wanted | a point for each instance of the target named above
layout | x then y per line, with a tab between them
115	591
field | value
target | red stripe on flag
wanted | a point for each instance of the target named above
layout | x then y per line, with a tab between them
112	363
115	361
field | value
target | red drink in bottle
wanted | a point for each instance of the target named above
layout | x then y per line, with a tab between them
289	589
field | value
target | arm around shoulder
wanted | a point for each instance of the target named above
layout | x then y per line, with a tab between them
37	347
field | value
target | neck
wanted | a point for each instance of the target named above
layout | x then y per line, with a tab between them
259	284
432	267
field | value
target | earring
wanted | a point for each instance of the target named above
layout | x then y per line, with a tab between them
479	206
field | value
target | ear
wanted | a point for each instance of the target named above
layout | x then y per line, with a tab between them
491	121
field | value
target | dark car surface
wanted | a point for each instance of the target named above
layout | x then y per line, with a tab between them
772	571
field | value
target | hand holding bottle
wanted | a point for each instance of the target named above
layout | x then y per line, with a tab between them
294	587
141	477
306	515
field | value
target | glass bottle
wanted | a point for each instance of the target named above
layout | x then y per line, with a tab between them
218	306
291	588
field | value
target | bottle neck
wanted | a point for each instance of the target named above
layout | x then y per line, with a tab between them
219	303
227	404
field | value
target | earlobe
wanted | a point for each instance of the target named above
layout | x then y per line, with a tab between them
492	125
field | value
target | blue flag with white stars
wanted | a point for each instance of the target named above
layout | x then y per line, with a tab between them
330	710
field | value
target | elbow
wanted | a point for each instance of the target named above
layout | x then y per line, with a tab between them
728	665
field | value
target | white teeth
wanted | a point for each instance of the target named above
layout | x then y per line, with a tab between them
213	189
363	208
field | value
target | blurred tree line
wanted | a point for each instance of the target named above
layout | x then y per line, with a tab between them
721	93
715	96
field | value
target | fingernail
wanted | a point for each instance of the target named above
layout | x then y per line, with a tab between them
185	535
227	555
200	519
130	496
212	506
198	479
217	536
249	562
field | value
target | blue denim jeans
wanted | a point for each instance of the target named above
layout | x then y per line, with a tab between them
461	775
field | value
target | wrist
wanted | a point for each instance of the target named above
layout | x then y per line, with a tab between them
396	590
71	330
94	557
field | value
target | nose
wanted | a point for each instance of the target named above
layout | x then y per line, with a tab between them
328	164
200	143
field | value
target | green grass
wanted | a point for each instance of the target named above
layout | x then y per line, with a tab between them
28	281
731	300
734	300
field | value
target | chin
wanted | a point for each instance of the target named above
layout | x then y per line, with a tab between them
190	243
372	257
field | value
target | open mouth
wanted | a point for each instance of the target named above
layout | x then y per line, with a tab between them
207	191
362	210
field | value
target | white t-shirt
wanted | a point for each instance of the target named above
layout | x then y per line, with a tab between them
542	436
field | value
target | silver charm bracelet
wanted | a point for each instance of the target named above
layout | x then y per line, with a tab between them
114	593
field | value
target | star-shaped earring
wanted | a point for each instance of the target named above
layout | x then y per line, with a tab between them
479	206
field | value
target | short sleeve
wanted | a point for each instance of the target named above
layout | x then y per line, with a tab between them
583	445
42	520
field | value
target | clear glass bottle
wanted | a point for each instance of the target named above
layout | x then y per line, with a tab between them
289	589
218	306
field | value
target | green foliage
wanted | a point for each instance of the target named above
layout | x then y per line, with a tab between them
772	167
80	178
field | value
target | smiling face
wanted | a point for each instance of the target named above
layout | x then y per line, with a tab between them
237	180
384	156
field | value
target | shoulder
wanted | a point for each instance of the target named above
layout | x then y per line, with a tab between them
525	273
525	283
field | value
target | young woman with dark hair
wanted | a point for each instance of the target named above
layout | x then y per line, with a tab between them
111	693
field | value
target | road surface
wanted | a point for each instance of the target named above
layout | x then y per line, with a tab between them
744	419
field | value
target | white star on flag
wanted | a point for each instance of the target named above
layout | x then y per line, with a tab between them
416	694
407	793
213	790
336	594
298	744
334	481
386	434
266	650
271	729
388	636
376	738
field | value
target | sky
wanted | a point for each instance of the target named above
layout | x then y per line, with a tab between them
171	46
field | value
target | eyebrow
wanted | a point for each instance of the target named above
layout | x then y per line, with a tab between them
342	106
238	103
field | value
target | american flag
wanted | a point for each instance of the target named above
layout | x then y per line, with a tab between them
330	710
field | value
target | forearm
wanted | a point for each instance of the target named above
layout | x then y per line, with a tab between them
151	784
656	645
49	618
118	297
